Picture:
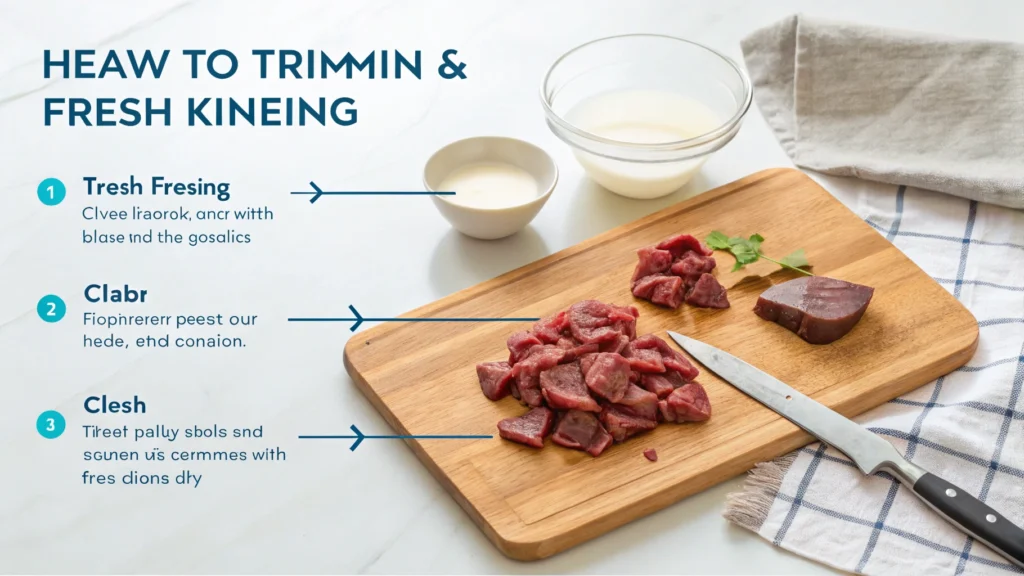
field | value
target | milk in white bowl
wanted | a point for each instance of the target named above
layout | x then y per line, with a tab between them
490	185
500	184
645	117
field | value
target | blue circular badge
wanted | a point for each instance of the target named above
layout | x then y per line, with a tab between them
50	424
51	308
51	191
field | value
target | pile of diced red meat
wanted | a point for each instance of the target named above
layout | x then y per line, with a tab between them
675	270
589	380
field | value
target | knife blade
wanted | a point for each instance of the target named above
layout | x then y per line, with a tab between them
869	452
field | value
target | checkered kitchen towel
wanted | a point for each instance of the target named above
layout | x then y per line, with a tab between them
967	426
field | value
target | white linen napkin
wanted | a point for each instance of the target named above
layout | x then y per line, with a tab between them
967	426
937	113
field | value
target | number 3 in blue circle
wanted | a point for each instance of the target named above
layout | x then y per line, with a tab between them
51	308
50	424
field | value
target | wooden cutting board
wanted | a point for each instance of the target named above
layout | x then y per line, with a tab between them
535	503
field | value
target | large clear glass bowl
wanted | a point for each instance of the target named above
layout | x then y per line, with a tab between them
642	112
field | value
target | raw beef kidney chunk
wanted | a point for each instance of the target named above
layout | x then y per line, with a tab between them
527	385
707	293
608	376
669	292
540	358
588	364
646	360
593	321
636	412
680	244
494	379
691	266
624	318
529	429
582	431
670	358
527	371
614	346
549	330
622	424
688	403
661	289
674	271
564	389
519	345
639	402
662	384
652	261
574	351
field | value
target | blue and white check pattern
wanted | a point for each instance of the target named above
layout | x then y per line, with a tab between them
967	426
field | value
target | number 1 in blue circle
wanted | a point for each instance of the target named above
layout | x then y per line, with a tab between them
51	191
50	424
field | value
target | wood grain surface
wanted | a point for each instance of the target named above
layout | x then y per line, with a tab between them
535	503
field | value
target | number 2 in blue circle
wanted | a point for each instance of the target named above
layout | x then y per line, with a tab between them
50	424
51	308
51	191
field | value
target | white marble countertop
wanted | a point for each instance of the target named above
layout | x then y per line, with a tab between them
324	509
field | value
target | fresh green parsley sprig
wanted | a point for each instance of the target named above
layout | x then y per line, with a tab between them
748	250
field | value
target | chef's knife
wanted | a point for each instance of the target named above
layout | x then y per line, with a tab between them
868	451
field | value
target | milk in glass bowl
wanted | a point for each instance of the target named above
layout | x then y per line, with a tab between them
643	112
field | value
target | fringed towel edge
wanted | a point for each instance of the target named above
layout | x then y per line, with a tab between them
749	507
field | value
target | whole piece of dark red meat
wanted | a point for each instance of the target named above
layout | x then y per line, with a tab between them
529	429
818	309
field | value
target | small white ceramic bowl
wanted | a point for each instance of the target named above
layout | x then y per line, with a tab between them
490	223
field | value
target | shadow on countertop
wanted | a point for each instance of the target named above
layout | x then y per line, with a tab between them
596	209
459	261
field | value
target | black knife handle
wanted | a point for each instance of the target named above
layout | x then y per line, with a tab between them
973	516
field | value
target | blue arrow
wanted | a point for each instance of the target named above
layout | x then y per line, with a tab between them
359	319
359	437
317	193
